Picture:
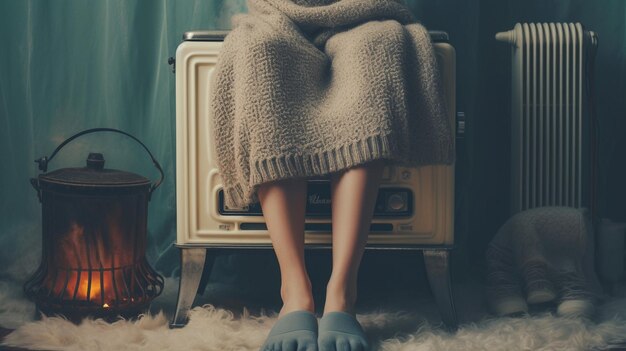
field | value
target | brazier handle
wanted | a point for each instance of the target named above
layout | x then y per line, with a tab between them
43	161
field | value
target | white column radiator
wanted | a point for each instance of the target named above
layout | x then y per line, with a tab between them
551	129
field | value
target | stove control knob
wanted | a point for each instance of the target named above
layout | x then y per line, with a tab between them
396	202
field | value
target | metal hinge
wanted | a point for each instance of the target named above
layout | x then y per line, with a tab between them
460	124
172	62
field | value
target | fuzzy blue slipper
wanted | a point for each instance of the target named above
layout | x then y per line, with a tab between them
340	331
295	331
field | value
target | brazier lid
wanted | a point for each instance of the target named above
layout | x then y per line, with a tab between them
94	174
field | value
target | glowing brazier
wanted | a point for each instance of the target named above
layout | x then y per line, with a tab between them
94	240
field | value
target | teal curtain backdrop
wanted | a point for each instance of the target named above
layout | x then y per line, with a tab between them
69	65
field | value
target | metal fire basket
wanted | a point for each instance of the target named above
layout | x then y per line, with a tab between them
94	240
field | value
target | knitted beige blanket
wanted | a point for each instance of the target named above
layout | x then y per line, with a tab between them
308	87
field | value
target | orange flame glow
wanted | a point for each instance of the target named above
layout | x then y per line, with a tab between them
90	265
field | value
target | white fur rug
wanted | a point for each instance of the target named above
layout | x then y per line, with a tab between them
218	329
214	329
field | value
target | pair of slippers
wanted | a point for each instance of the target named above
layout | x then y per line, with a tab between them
299	331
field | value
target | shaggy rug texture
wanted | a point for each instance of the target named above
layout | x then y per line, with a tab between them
393	328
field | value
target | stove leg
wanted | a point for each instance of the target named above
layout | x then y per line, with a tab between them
192	265
438	271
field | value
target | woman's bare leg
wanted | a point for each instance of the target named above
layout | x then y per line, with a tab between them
283	203
353	198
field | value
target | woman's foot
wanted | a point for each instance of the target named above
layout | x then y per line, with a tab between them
339	330
294	331
296	327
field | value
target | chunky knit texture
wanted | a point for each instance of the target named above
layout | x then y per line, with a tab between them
303	88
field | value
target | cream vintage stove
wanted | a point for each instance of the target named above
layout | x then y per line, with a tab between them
414	209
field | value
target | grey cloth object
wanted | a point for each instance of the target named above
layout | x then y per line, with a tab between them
304	88
541	255
339	331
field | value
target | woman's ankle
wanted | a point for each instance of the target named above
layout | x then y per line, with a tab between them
300	305
340	297
297	297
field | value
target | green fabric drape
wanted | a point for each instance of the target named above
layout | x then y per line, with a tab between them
73	65
69	65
